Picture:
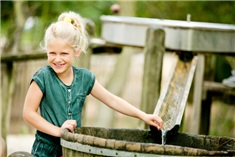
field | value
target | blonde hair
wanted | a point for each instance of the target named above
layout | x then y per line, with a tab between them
71	27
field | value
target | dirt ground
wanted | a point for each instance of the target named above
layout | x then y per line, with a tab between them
19	143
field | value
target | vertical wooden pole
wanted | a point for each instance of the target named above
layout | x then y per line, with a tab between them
7	88
204	126
154	52
197	95
206	100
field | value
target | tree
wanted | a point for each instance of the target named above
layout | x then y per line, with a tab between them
201	11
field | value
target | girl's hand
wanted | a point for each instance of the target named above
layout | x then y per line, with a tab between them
69	124
153	120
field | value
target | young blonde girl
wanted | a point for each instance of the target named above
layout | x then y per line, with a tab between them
59	89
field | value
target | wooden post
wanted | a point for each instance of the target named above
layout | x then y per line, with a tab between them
206	99
204	126
154	51
197	95
7	88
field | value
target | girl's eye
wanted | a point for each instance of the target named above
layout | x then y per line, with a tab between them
51	53
64	53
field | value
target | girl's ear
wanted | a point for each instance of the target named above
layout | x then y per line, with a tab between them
77	53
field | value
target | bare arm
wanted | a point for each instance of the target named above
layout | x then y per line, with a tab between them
30	114
123	106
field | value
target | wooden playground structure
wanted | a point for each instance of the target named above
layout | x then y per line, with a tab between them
190	41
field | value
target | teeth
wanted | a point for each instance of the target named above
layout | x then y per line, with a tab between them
59	65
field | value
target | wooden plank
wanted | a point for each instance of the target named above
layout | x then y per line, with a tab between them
217	87
154	51
197	95
180	35
97	46
21	57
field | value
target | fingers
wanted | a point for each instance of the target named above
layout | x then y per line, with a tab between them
73	123
157	125
69	124
159	122
156	121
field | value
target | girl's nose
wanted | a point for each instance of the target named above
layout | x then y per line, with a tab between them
57	58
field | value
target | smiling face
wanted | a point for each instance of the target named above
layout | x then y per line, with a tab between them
60	56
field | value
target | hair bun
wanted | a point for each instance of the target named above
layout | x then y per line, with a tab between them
76	34
71	20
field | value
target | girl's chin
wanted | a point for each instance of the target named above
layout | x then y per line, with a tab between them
58	70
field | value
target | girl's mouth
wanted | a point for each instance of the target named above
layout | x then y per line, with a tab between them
58	65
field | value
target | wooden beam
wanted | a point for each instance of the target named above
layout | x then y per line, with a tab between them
22	57
217	87
154	51
213	90
197	95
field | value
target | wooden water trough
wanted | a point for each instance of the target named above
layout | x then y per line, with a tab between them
173	98
95	142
